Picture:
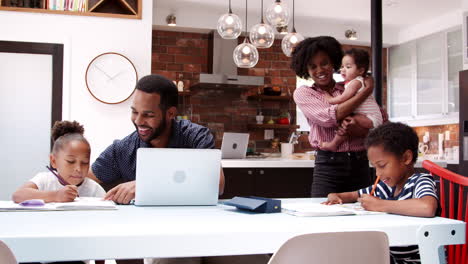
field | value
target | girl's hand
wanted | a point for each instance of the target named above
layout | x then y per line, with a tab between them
333	198
370	203
66	194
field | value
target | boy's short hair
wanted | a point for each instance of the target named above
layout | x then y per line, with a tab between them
361	58
308	48
395	138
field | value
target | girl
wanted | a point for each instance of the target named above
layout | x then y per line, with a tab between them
66	178
393	149
354	67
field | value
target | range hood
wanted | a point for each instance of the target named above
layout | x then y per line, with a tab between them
221	67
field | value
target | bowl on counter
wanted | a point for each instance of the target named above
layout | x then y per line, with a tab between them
271	91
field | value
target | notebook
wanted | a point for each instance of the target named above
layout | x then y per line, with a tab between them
234	145
316	209
166	176
80	203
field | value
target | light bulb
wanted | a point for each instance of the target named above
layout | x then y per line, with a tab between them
261	30
245	55
289	42
262	36
293	39
277	14
278	8
229	20
229	26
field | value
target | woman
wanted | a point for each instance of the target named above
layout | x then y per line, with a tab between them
346	169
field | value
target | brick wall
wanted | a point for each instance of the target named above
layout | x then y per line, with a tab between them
434	138
182	56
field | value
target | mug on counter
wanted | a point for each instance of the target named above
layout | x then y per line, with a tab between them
287	150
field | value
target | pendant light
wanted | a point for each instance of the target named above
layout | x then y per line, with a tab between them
277	14
262	35
245	55
291	40
229	25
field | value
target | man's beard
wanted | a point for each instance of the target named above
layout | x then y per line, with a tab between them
157	131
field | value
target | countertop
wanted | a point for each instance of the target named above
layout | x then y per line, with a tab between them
275	161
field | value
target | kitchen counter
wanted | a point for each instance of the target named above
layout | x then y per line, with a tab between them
275	161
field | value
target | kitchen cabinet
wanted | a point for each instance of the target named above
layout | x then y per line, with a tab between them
423	79
267	182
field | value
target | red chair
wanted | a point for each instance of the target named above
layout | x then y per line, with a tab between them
456	253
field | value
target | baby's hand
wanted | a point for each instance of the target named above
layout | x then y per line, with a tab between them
369	202
66	194
333	198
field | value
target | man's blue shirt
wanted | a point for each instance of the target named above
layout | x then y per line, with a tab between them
118	161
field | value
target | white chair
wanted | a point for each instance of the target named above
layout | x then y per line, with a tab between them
6	256
335	248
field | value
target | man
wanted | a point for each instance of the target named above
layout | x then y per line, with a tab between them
154	108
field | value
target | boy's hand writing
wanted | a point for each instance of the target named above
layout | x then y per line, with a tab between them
122	193
370	203
67	194
333	198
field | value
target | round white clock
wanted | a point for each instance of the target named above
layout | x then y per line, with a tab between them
111	78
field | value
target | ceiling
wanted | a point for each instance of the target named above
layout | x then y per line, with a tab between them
396	13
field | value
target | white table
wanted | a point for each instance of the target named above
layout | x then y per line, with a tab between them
137	232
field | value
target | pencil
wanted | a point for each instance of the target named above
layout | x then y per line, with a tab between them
60	179
375	185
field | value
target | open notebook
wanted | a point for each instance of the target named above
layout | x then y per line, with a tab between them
316	209
80	203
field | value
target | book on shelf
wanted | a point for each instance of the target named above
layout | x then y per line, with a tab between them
68	5
80	203
316	209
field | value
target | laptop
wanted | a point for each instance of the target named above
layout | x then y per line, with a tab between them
234	145
167	176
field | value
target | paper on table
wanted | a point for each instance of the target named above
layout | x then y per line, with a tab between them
80	203
316	209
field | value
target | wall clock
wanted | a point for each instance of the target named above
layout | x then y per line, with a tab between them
111	78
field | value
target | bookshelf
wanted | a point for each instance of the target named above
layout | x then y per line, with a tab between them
130	9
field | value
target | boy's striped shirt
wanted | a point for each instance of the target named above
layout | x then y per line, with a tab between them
417	186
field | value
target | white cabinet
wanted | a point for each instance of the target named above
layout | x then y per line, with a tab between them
423	79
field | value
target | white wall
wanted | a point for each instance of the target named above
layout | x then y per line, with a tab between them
84	38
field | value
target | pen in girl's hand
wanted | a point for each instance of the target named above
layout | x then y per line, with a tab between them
60	179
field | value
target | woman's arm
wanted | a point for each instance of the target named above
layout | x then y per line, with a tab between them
421	207
346	108
314	107
351	89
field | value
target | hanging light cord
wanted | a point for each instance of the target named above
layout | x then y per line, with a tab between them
261	21
230	10
246	16
294	27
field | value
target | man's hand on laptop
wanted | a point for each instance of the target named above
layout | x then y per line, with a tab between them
122	193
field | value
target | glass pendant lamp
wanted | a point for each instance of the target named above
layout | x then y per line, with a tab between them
262	35
277	14
245	55
291	40
229	25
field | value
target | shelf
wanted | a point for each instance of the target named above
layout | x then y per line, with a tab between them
273	126
185	93
105	11
270	97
